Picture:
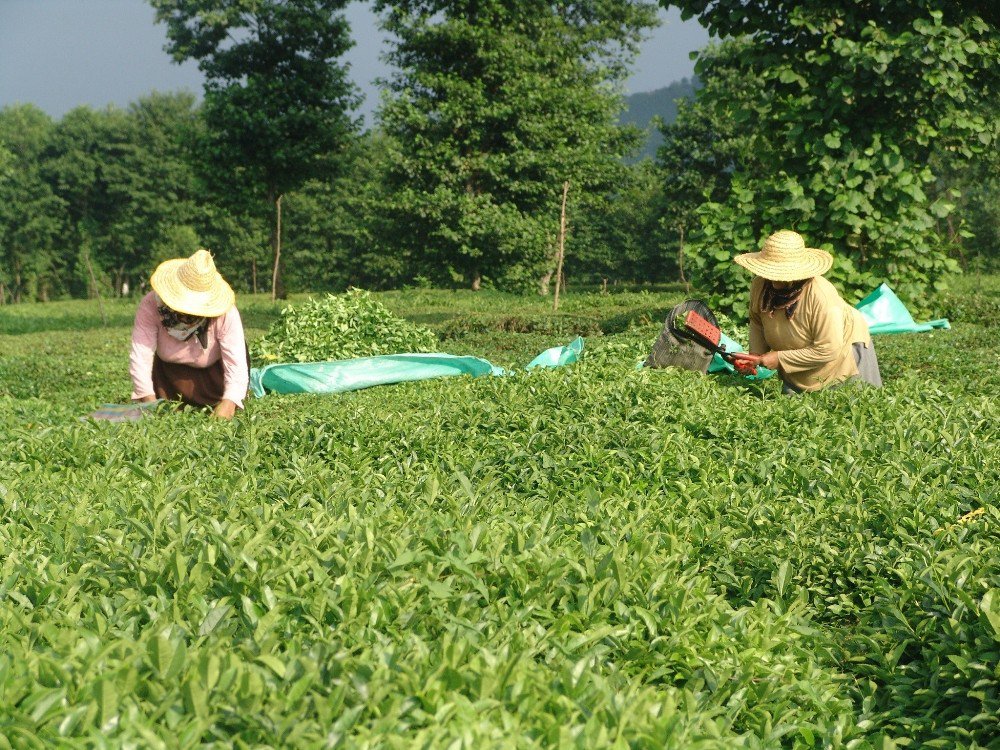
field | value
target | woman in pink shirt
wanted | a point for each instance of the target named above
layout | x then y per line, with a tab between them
188	341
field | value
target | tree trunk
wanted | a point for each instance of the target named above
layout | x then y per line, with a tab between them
97	290
277	286
544	282
956	239
477	281
680	258
253	274
562	246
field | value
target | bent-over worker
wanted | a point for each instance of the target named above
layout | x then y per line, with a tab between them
188	341
799	324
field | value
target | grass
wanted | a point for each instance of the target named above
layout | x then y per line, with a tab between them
596	556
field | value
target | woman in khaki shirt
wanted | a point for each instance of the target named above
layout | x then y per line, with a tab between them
799	325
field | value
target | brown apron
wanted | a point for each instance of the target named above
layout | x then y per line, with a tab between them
195	386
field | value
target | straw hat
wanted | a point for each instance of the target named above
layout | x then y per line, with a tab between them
785	257
192	286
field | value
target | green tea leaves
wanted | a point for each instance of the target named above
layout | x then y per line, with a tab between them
215	616
588	557
990	607
342	326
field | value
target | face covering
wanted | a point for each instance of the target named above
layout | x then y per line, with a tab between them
183	333
176	328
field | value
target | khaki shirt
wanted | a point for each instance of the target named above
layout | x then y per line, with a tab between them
814	347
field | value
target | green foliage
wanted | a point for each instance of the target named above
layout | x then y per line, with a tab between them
596	556
82	162
621	237
341	326
339	225
973	190
277	97
154	180
113	185
853	113
32	217
702	149
495	105
276	100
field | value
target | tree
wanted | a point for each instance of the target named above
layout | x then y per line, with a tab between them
973	188
155	180
338	224
277	102
705	144
856	99
622	238
32	217
82	165
495	105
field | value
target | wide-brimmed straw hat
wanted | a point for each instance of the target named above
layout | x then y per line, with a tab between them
785	257
192	286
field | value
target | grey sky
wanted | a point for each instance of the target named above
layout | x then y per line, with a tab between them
62	53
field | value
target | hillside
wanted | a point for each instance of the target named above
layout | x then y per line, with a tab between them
641	108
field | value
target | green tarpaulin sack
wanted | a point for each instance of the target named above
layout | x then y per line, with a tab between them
885	313
345	375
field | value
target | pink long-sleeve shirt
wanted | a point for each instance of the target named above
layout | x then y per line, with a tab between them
226	341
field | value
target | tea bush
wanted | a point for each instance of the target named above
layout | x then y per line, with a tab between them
595	556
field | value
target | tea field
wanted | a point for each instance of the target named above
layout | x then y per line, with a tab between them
591	557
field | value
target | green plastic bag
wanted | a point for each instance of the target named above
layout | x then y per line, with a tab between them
885	313
558	356
345	375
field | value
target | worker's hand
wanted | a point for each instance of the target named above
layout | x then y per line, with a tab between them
745	364
769	360
225	409
145	399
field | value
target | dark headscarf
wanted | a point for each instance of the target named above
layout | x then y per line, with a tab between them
171	320
777	299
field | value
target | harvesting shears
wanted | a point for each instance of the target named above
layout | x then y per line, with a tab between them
695	322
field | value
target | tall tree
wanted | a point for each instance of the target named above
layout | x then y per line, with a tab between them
856	100
495	105
337	224
155	179
277	99
707	144
621	239
32	217
82	164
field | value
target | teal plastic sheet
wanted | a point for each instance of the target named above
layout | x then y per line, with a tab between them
885	313
558	356
340	376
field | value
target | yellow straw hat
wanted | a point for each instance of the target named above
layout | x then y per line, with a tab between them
785	257
192	286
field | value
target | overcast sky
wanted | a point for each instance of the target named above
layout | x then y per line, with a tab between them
62	53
